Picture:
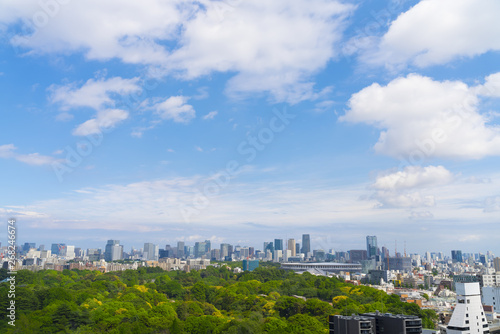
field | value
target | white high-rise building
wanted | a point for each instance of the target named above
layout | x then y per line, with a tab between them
468	316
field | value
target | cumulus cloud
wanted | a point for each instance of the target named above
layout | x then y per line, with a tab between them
404	189
98	94
95	93
176	108
423	118
438	31
270	46
8	151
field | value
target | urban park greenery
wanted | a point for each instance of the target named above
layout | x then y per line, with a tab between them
214	300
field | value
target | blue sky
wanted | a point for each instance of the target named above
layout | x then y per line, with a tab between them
244	121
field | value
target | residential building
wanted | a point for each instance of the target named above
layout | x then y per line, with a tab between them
491	297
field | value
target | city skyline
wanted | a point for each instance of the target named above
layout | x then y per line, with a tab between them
228	120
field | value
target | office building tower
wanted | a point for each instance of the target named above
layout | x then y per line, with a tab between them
208	246
68	252
215	254
483	259
200	249
93	254
180	249
371	246
297	248
291	246
251	251
27	246
306	244
56	248
456	256
278	244
224	251
113	251
150	252
468	315
357	255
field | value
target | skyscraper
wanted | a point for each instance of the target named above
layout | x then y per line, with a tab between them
371	246
306	244
291	246
56	248
496	263
278	244
150	251
113	251
456	255
180	249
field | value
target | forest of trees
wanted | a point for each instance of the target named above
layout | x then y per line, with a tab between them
214	300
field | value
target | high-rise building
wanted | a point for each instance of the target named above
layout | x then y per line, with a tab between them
456	256
56	248
180	249
468	315
150	252
496	263
113	251
278	244
224	251
68	252
93	254
291	246
306	244
371	246
208	246
357	255
200	249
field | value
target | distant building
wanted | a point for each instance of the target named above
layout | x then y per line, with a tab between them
292	247
339	324
180	249
468	315
357	255
56	248
297	248
278	244
376	276
371	246
113	251
398	263
150	252
325	267
250	265
306	244
456	256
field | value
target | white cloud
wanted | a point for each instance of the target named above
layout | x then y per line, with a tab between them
105	119
404	188
438	31
95	94
413	177
210	115
98	94
421	118
176	108
270	46
8	151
